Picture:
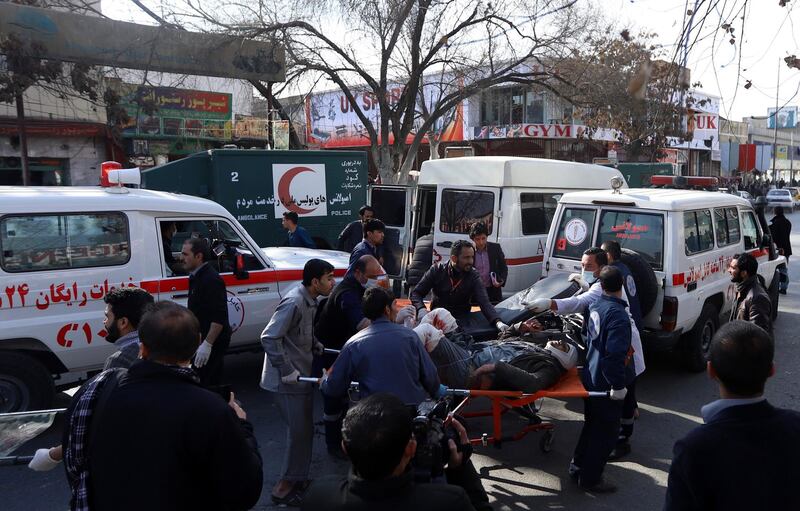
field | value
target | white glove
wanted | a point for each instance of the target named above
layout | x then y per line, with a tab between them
618	394
291	378
501	327
539	305
578	279
429	336
405	314
202	354
42	462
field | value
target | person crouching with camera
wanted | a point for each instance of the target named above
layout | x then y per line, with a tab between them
377	436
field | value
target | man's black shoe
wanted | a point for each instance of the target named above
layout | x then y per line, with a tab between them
621	450
338	453
601	486
782	291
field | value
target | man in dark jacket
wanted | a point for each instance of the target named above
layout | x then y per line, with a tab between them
372	244
752	301
354	232
378	438
781	230
297	235
608	368
745	455
490	262
208	301
455	285
153	438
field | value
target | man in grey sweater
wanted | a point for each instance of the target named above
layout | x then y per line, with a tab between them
290	345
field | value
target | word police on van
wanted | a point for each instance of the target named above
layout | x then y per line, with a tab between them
678	244
63	248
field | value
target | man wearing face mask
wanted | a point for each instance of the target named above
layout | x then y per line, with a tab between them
124	308
592	262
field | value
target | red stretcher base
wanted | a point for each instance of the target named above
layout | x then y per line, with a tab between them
569	386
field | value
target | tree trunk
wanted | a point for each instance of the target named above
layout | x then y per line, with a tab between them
434	146
23	141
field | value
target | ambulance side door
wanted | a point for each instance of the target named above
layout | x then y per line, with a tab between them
252	290
392	205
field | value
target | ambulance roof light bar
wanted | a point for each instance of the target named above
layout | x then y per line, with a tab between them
111	172
685	182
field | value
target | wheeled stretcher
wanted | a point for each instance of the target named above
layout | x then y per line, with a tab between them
502	401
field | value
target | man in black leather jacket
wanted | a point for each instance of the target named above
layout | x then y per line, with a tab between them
752	301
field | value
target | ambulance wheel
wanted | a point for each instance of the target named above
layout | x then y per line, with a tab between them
25	384
546	442
643	277
697	342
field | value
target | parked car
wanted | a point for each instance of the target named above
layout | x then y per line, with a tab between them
780	197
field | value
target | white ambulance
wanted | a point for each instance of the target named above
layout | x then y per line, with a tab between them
515	197
686	237
63	248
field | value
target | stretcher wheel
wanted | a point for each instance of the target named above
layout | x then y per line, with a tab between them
546	442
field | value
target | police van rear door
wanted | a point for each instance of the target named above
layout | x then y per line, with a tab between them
392	204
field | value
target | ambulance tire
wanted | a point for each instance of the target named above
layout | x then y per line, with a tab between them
644	277
697	341
25	383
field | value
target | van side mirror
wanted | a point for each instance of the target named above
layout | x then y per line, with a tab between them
239	268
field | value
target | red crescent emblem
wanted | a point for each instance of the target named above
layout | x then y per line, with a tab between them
283	190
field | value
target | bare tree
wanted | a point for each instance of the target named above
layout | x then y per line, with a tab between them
371	47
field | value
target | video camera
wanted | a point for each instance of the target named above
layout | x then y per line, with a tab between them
431	430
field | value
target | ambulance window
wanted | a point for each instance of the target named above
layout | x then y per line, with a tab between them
62	242
698	235
538	210
726	225
462	208
574	233
218	232
749	230
641	232
389	205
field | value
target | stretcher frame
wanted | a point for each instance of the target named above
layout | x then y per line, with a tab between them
503	401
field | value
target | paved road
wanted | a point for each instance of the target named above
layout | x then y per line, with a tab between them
518	476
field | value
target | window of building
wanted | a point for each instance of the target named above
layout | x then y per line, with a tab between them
61	242
698	234
462	208
513	105
538	210
575	232
726	225
534	107
517	105
641	232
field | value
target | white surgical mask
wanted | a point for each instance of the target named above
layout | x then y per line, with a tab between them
381	281
588	277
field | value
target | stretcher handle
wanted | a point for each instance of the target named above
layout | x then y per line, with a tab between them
311	379
331	351
29	412
458	392
602	393
8	461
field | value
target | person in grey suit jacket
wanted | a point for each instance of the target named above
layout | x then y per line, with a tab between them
745	455
290	345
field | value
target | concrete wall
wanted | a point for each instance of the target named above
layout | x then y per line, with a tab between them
84	154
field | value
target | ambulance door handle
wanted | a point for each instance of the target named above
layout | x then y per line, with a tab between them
253	290
445	244
178	297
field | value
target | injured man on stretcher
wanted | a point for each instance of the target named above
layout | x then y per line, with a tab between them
515	362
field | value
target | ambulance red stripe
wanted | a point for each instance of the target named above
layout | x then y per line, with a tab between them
255	277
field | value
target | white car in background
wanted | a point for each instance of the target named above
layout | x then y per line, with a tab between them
780	197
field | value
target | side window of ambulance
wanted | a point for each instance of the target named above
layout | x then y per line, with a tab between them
726	226
218	231
63	242
698	235
462	208
574	233
538	210
749	230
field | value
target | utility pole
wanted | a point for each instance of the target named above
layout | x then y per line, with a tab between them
23	140
775	121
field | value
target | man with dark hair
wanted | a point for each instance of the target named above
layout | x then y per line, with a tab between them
614	254
129	432
372	244
341	316
490	262
124	308
745	455
290	344
354	232
208	301
168	230
298	236
608	367
752	301
781	229
455	285
384	357
378	438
